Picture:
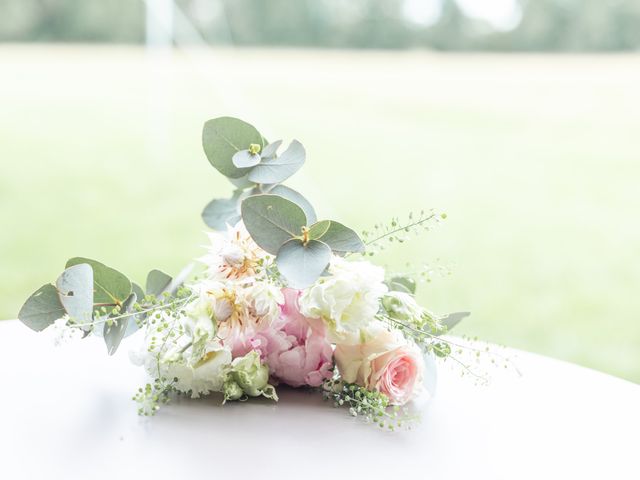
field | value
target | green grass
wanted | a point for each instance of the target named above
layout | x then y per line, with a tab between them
534	158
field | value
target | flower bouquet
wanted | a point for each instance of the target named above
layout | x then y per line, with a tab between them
283	298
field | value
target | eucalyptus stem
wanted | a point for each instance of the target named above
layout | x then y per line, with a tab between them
133	314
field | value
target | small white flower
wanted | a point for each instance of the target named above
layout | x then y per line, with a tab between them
61	333
348	299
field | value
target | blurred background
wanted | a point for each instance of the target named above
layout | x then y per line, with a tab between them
519	119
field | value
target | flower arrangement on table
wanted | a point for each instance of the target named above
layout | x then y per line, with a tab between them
284	298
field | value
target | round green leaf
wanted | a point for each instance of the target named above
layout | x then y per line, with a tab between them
222	138
297	198
42	308
222	211
318	229
157	282
110	287
270	150
245	159
271	220
241	183
278	169
342	239
403	284
75	288
300	264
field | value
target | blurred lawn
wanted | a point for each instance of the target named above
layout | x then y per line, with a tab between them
534	158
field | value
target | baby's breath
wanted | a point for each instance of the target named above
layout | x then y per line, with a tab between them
370	405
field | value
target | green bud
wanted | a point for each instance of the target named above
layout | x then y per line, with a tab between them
249	373
254	148
232	391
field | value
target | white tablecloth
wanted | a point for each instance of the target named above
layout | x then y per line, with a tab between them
66	413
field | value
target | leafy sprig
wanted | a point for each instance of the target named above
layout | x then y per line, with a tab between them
398	231
370	405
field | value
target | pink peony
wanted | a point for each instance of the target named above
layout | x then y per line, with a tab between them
309	360
295	347
386	362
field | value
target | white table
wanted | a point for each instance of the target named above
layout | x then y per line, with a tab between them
66	413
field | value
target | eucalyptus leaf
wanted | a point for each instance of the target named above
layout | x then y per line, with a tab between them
297	198
157	282
222	138
179	279
222	211
110	287
300	264
137	289
402	283
114	333
453	319
271	220
42	308
75	288
132	326
245	159
278	169
318	229
241	183
398	287
270	150
342	239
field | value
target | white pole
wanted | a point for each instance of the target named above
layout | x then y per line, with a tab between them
159	43
159	23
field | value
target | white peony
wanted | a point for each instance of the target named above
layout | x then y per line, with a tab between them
348	299
263	301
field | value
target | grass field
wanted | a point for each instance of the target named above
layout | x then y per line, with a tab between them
535	159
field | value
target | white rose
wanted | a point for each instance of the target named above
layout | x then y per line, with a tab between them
348	299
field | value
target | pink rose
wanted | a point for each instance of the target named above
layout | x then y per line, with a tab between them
385	362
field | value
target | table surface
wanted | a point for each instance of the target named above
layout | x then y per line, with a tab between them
66	412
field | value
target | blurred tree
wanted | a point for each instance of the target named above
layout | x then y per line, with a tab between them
547	25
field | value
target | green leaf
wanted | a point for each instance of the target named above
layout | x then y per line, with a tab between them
132	327
278	169
110	287
298	199
137	289
222	211
342	239
270	150
179	279
245	159
42	308
114	333
222	138
300	264
241	183
157	282
453	319
75	288
271	220
318	229
403	284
